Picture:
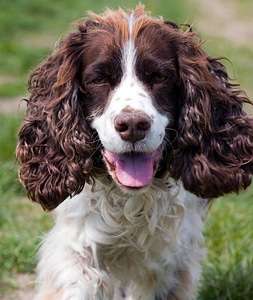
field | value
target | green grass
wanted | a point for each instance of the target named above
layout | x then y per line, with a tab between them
239	64
228	267
28	31
21	229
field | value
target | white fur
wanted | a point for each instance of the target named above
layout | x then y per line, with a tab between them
104	239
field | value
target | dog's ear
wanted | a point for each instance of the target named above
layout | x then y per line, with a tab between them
54	148
214	147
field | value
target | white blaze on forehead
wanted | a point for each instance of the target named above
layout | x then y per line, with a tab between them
130	92
129	48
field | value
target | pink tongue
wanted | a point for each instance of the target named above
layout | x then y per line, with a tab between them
134	169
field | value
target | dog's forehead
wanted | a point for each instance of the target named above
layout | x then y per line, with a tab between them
125	37
116	28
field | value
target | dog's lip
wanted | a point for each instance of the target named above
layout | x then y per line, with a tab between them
134	169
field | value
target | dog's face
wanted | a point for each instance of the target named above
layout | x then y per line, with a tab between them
130	88
143	93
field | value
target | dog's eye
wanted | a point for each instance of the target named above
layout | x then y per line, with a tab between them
99	80
158	78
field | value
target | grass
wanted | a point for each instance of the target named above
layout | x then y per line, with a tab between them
239	64
28	30
229	264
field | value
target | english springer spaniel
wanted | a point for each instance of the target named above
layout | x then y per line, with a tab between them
131	130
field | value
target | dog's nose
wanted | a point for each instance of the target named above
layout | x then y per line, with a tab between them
132	127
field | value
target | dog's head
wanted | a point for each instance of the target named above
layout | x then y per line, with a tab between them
136	97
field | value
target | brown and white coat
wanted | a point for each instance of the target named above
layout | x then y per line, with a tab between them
138	128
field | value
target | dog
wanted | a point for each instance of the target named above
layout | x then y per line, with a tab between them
131	131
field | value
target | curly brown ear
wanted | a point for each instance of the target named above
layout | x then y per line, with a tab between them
214	150
53	148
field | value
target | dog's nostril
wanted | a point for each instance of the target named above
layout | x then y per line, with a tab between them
121	125
132	127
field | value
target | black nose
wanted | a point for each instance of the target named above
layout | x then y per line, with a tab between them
132	127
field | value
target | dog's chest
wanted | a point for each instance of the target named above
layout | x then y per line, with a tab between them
139	236
136	254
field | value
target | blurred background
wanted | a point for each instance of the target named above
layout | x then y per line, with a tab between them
28	32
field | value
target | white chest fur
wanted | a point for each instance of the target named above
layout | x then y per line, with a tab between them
133	240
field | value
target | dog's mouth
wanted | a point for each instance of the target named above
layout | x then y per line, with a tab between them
134	169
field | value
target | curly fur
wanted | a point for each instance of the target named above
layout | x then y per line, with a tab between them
124	233
107	241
